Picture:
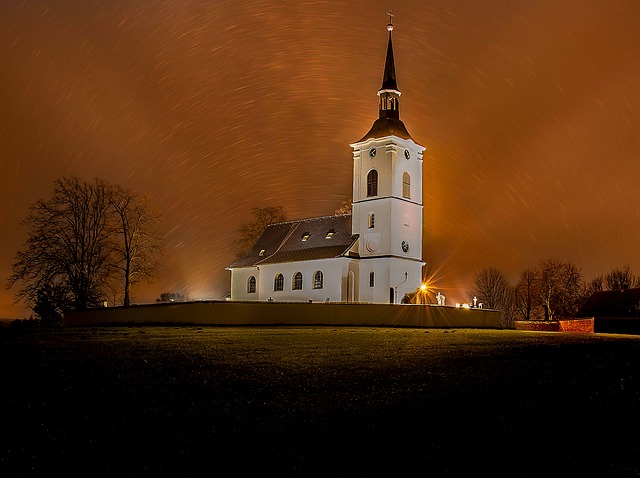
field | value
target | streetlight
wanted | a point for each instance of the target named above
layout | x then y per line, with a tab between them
423	289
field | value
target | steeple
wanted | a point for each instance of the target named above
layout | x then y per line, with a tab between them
388	122
389	93
389	78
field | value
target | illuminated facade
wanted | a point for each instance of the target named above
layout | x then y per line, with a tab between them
372	255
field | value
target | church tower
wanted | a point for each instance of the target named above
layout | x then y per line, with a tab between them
387	199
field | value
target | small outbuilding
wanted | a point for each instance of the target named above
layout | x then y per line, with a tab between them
614	311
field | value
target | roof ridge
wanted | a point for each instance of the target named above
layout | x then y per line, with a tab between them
292	221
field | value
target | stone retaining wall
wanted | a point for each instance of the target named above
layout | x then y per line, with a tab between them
287	313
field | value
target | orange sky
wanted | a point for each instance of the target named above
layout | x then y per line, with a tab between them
529	110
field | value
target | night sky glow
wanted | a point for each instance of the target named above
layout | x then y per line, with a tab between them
529	110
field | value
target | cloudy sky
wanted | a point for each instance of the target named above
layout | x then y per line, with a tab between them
529	110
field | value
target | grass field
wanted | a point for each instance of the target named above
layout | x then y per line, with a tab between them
318	401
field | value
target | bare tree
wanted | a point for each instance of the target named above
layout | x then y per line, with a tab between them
571	286
525	294
250	232
49	304
559	287
595	285
589	288
68	244
172	297
344	208
621	279
136	242
82	241
113	290
493	290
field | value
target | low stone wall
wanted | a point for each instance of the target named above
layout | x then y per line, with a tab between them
286	313
536	325
569	325
583	326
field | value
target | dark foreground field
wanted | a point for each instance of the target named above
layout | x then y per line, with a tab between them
186	401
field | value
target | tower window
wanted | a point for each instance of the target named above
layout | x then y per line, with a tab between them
297	281
372	279
406	185
372	183
318	280
372	220
251	285
278	283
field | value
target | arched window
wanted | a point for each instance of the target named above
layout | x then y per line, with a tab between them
297	281
406	185
372	183
317	280
372	220
251	285
278	283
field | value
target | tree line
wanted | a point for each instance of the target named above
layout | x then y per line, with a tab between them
87	244
552	289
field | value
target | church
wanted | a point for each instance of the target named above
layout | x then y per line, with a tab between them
374	254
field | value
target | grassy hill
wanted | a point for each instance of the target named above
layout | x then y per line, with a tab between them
318	401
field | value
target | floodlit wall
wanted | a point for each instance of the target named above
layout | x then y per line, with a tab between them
286	313
585	326
569	325
334	272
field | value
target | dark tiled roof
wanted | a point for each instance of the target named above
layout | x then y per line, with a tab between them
283	242
612	303
387	127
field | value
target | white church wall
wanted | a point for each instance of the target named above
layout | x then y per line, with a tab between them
413	166
389	273
333	272
383	163
406	226
379	292
239	282
405	284
374	240
364	162
390	162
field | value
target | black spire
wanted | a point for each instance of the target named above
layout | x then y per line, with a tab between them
389	78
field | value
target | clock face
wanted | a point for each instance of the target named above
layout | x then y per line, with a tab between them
407	153
405	246
372	152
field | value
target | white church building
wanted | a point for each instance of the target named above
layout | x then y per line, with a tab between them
373	254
